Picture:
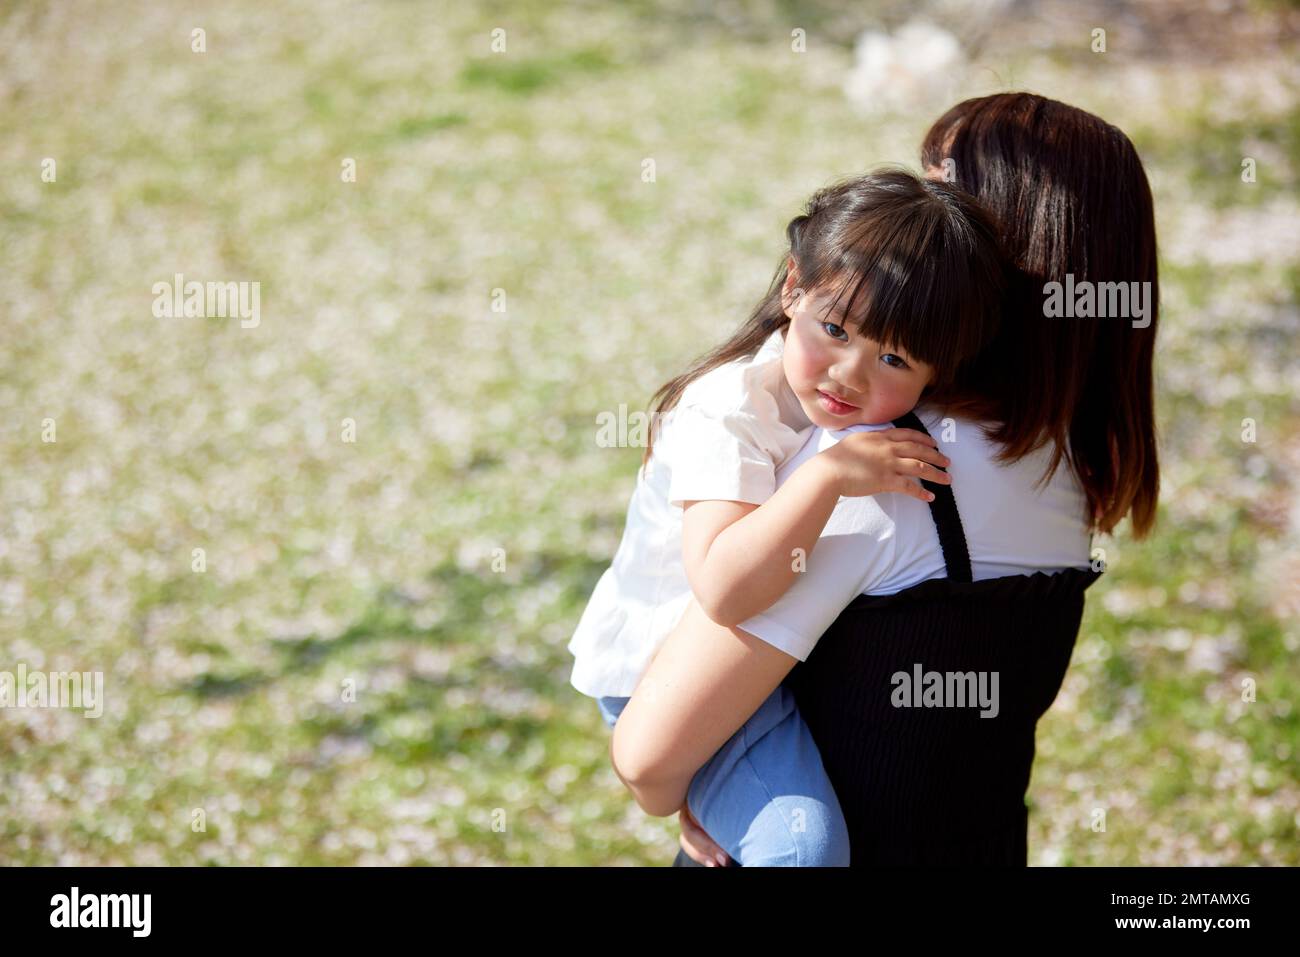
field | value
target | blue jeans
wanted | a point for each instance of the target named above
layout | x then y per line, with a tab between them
764	797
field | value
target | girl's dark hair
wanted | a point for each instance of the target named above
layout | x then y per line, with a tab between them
918	259
1070	196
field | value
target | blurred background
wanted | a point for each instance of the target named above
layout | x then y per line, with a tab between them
395	478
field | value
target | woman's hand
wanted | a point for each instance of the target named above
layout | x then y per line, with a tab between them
890	460
698	846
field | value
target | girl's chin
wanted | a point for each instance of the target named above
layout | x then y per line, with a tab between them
831	423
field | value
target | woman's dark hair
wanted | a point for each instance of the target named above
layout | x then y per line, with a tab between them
1070	197
918	259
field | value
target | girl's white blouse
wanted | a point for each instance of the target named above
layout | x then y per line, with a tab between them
730	431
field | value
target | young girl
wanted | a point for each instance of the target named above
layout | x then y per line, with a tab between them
913	266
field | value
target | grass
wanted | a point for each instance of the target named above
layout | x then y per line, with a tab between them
372	668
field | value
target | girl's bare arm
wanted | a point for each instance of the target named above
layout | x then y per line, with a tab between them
740	558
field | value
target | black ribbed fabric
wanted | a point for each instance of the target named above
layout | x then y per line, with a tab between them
938	785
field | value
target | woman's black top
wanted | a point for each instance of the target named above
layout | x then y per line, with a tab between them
925	778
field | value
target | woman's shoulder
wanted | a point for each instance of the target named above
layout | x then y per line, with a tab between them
970	441
941	422
1013	513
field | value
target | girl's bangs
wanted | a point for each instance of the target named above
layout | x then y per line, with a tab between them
897	306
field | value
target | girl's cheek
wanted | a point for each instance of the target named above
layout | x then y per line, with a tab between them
811	366
812	359
801	360
900	400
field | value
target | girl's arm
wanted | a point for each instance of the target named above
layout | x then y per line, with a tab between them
705	682
740	557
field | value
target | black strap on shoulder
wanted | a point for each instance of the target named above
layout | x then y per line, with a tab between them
956	557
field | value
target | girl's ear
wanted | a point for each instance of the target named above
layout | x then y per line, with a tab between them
788	288
930	379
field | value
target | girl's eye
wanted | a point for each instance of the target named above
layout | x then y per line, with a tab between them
898	363
833	331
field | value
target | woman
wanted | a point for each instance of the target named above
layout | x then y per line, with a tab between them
1054	438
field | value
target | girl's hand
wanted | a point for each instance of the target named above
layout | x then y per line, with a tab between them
698	846
890	460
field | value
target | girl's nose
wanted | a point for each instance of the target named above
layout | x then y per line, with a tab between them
850	383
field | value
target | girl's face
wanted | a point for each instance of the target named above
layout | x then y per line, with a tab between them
826	359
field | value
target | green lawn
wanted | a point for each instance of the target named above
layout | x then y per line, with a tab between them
437	564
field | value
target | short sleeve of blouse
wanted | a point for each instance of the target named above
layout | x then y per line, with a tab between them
719	454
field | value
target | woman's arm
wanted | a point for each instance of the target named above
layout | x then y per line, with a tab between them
703	684
740	557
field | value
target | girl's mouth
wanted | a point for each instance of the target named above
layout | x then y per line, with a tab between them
834	406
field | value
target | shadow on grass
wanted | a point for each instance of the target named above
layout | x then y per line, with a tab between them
474	608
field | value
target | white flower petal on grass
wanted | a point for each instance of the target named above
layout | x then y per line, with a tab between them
894	71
